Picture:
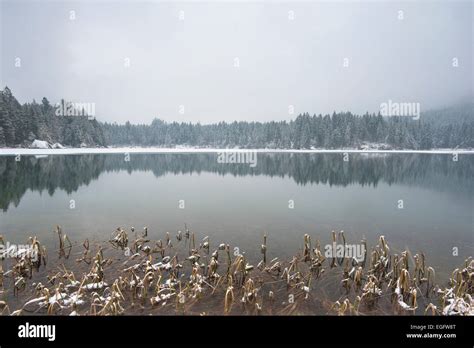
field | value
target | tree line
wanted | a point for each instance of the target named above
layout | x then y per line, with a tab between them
448	128
339	130
21	124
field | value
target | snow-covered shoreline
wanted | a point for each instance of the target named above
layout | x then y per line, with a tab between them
157	150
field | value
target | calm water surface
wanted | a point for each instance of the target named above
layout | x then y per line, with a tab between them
236	204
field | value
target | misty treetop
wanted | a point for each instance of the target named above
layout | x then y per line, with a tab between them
448	128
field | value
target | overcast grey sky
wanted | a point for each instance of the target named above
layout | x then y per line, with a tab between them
285	58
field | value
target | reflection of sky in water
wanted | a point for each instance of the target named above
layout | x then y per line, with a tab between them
239	209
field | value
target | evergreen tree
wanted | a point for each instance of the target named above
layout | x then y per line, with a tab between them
454	127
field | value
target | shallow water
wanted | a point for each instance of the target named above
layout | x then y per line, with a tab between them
237	204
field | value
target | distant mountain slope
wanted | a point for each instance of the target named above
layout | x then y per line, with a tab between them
453	126
455	114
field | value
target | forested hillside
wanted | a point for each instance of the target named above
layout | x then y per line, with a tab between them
21	124
447	128
451	128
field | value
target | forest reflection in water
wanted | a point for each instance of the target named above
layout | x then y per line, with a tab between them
70	172
236	203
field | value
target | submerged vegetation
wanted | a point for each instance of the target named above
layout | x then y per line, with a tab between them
184	274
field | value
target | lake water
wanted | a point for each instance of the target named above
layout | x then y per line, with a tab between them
91	195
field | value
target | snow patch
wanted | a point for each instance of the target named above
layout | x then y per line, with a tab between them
375	146
158	150
40	144
57	146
